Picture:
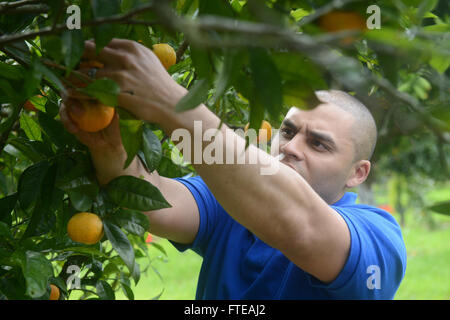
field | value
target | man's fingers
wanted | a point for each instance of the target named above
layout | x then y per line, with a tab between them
66	121
107	55
121	44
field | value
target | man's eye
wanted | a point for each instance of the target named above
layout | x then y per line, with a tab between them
318	145
286	132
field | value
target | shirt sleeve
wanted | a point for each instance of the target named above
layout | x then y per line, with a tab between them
376	261
208	211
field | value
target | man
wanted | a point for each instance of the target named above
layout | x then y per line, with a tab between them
293	234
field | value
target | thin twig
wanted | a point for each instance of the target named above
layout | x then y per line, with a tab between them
181	49
60	27
5	6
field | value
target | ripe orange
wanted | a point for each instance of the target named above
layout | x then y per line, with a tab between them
95	116
85	227
342	20
265	131
54	293
165	53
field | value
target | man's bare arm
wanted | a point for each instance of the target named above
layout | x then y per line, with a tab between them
178	223
280	208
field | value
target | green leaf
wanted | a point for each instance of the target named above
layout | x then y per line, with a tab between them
12	96
7	205
36	270
442	208
196	95
105	291
30	183
5	230
55	131
33	77
50	200
72	47
11	72
50	76
295	67
133	221
169	169
151	147
218	8
201	59
33	150
131	133
267	82
134	193
228	74
120	243
127	291
89	251
52	45
30	127
105	32
299	14
80	200
39	102
104	90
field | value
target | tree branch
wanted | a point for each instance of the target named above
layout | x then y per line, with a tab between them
33	8
5	6
60	27
181	49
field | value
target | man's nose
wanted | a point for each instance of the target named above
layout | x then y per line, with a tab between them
294	148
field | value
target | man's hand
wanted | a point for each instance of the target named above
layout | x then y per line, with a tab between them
108	139
147	90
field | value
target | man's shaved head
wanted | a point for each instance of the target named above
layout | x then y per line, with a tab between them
364	130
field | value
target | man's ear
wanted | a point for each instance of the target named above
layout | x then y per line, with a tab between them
359	173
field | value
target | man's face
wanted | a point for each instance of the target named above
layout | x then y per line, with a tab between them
317	144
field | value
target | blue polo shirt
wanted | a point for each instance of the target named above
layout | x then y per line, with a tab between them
237	265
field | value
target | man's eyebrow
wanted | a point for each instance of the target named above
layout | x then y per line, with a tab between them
312	133
322	137
290	124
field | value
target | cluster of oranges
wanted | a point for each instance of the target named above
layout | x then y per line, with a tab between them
97	116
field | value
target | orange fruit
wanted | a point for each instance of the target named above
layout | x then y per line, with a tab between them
54	293
342	20
165	53
85	227
265	131
95	116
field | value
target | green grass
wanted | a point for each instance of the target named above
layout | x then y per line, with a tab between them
427	272
428	253
428	265
177	279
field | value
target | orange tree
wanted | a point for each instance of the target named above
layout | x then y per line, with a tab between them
246	60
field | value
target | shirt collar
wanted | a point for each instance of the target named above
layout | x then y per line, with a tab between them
347	198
